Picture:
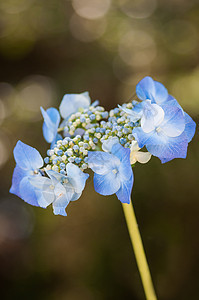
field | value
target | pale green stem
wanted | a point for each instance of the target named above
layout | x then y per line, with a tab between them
139	251
60	129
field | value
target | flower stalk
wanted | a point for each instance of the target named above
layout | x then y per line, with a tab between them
139	251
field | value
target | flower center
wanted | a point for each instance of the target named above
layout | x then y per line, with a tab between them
158	129
52	187
65	181
115	171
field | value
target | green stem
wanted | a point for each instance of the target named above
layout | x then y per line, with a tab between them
139	251
60	129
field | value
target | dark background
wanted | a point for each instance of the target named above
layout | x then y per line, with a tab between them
47	49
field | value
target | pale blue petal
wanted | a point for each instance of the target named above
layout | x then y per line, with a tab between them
27	191
125	169
102	162
49	133
134	115
95	103
123	154
55	175
60	204
174	147
171	101
78	178
141	137
108	144
51	122
17	176
161	94
152	117
152	138
43	190
61	190
76	196
145	89
72	102
124	193
26	157
174	121
59	211
190	127
107	184
165	160
51	117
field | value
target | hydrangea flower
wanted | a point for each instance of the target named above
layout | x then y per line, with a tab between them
108	143
28	162
112	172
168	140
59	189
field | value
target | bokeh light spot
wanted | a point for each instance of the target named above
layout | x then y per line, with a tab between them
138	9
87	30
181	36
137	48
91	9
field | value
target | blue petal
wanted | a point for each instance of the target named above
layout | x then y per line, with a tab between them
125	170
60	204
153	115
120	152
76	196
142	138
173	102
102	162
190	127
145	89
44	192
27	191
78	178
51	122
174	147
161	94
55	175
134	114
165	160
124	193
72	102
174	122
18	175
107	184
26	157
108	144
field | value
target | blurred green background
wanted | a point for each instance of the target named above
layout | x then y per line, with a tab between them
52	47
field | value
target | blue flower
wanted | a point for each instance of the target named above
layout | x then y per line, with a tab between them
72	102
50	126
59	189
113	172
28	162
170	139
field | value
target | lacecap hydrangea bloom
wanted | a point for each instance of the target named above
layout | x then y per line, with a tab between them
84	136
